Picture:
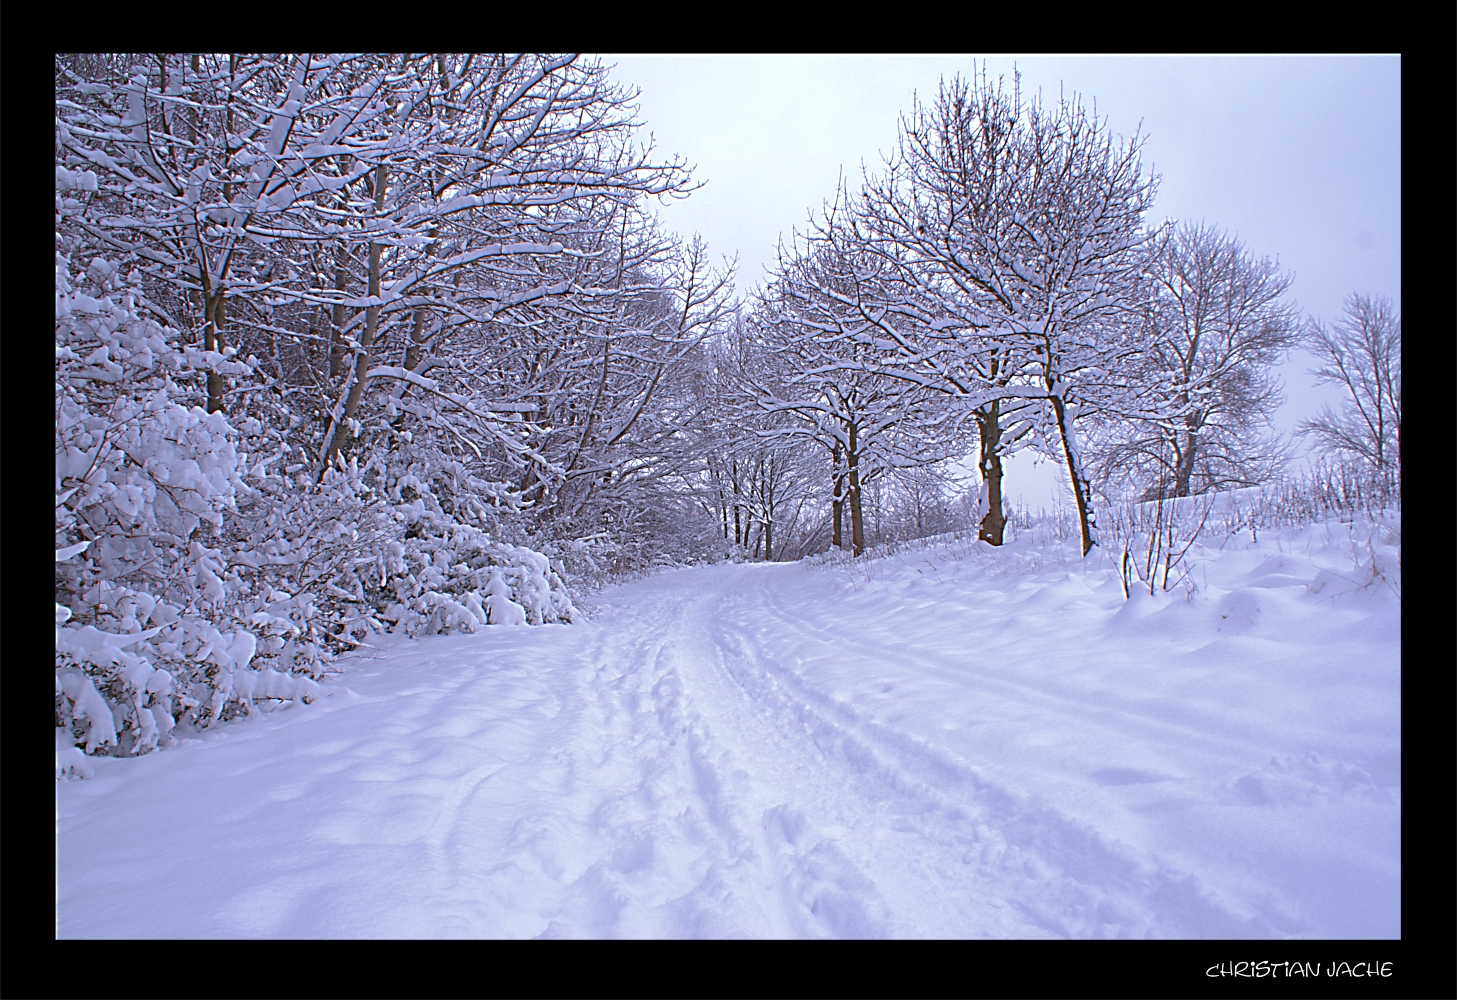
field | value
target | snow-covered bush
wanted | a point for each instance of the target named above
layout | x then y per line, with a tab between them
197	575
259	462
144	483
445	576
1150	541
1340	490
168	600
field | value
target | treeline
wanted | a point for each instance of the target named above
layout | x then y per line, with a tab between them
355	344
996	287
344	344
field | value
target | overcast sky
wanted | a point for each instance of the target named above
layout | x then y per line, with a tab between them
1300	156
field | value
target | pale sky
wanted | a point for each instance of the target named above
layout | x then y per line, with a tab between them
1298	156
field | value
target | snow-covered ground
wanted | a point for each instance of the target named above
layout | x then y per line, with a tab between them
950	742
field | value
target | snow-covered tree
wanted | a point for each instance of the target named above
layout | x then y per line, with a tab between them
385	199
1023	221
1216	325
622	409
758	475
1361	353
927	500
819	329
346	344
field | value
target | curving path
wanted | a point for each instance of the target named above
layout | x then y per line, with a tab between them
717	754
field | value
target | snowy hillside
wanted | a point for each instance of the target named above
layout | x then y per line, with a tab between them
952	741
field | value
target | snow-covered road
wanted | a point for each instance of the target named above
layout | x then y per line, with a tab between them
776	751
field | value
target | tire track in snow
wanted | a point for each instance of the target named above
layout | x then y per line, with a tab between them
659	773
826	820
1066	878
840	823
809	887
1117	720
739	855
672	854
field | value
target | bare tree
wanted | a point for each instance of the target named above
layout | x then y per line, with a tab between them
1215	327
757	473
1024	222
443	193
817	325
1361	352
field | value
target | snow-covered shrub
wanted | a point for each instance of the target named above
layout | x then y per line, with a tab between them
153	625
1148	542
447	576
200	567
210	358
308	560
1341	491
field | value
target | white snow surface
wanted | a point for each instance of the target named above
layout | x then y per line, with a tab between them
950	742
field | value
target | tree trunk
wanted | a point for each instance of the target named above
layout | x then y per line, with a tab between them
993	522
1081	492
1184	471
857	521
413	361
741	530
415	352
766	496
738	529
837	501
338	433
213	341
192	111
336	330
